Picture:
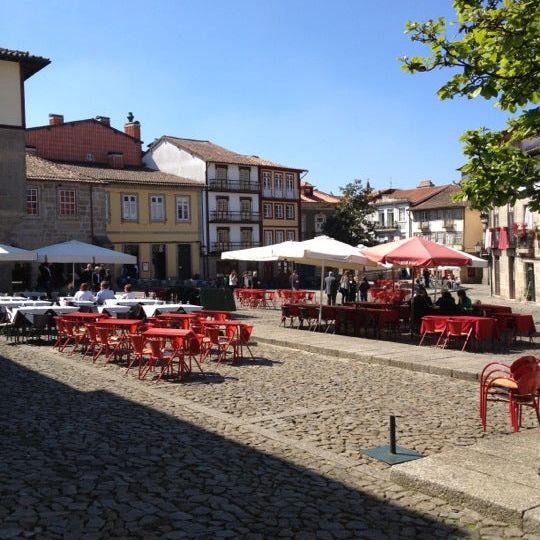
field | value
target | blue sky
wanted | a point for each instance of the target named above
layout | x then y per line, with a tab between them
308	83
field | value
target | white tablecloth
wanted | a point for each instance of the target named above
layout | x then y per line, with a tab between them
30	311
136	301
5	305
150	311
113	310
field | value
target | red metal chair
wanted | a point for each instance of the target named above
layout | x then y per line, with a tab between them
430	328
108	343
517	384
241	340
139	352
455	330
73	334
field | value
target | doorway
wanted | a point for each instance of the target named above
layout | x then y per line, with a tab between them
159	261
184	261
497	276
512	277
530	282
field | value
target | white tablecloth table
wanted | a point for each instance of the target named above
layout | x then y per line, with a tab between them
113	310
29	311
150	311
136	301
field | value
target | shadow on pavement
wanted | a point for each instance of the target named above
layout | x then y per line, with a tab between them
94	465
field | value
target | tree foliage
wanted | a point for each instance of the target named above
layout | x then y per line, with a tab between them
350	223
494	53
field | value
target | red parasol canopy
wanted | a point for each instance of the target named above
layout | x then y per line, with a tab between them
416	251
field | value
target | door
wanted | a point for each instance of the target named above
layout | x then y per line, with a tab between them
184	261
222	207
531	286
245	209
511	277
497	276
159	261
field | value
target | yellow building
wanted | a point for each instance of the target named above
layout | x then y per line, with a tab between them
154	216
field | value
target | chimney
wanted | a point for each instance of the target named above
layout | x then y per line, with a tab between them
132	128
105	120
116	160
425	183
56	119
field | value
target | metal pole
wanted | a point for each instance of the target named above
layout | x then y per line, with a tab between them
392	434
321	297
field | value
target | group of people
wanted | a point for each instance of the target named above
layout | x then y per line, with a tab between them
445	305
248	280
347	286
105	293
448	281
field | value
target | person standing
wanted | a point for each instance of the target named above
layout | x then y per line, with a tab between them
353	288
331	288
344	287
295	281
45	278
426	275
233	279
364	288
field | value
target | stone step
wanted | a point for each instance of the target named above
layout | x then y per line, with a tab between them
495	478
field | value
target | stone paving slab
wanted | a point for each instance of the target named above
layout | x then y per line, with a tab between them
492	477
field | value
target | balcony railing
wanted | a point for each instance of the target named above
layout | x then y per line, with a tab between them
220	184
235	217
280	193
218	247
386	227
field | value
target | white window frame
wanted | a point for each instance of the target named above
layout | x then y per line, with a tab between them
402	215
268	211
289	211
157	208
279	236
32	199
279	211
268	237
61	192
183	203
130	207
290	234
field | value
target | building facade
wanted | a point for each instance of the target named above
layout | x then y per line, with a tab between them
15	68
450	223
316	207
512	242
233	203
392	217
147	213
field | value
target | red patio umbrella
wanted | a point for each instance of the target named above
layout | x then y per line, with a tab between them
416	251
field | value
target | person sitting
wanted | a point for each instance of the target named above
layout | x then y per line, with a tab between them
446	304
421	305
464	302
104	293
128	293
84	294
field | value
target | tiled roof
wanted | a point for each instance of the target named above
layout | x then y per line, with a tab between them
30	64
443	199
131	175
413	196
316	196
208	151
40	169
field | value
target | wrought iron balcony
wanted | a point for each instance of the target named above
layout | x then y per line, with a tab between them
386	227
220	184
218	247
220	216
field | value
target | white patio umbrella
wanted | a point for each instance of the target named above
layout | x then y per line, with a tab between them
74	251
13	254
258	254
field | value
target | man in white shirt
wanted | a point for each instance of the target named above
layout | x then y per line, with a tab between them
104	293
128	293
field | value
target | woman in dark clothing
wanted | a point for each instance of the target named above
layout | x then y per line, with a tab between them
363	288
421	305
446	304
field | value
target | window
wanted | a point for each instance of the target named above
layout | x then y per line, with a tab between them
289	211
221	172
381	218
268	211
223	237
129	207
267	182
390	216
291	235
450	238
157	208
402	215
279	236
289	182
32	206
268	237
278	210
66	202
278	184
244	177
183	210
439	237
424	216
108	207
222	207
246	236
245	208
320	220
459	238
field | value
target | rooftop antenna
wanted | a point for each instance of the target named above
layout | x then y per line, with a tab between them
390	182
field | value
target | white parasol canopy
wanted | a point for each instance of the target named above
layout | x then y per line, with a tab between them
13	254
257	254
74	251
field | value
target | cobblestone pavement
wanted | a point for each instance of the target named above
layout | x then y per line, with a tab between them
266	449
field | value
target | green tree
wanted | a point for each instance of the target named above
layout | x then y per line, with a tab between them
494	54
350	223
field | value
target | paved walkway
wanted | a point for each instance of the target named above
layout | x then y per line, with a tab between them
266	449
